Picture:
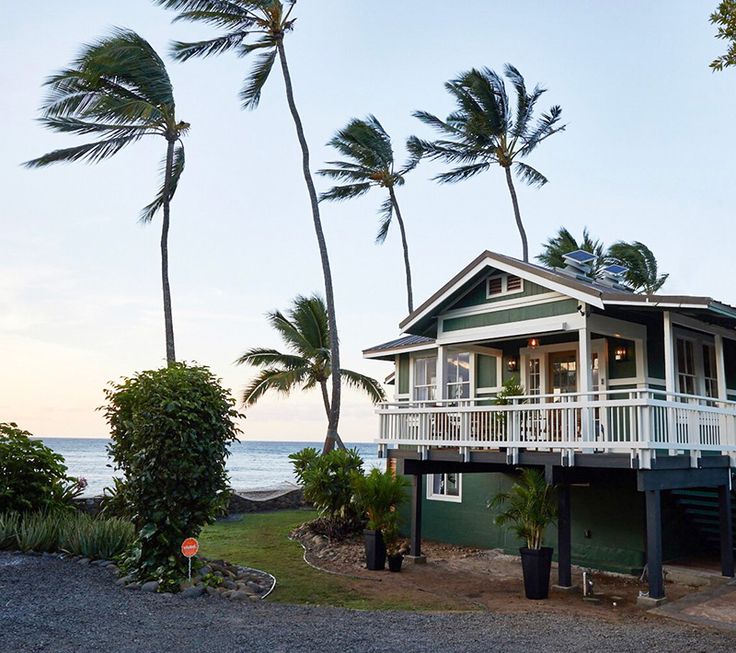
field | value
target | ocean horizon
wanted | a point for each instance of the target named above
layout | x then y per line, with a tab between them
252	464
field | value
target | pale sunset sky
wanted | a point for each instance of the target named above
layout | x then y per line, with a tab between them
648	155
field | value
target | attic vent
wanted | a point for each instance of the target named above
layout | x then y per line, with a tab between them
579	264
495	286
613	276
513	283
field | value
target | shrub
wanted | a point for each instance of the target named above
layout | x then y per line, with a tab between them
9	523
377	494
32	476
170	429
327	480
115	501
39	531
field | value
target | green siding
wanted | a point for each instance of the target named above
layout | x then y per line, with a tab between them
485	371
520	314
403	380
610	510
623	369
477	296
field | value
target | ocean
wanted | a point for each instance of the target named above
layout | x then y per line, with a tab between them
252	465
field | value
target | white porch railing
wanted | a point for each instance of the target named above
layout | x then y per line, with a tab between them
639	422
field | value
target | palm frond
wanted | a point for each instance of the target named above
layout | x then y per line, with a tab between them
340	193
250	95
89	152
177	168
272	379
183	51
529	175
263	357
461	173
386	211
366	384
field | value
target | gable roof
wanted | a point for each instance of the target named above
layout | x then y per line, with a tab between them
590	292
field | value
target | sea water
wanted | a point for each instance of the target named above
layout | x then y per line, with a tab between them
252	465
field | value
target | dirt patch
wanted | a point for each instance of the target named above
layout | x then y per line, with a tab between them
467	578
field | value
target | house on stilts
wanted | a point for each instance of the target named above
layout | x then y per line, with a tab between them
628	404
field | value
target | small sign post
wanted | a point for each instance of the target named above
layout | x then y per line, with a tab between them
189	548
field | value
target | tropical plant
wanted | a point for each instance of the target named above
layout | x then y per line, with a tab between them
260	26
370	163
305	332
528	508
9	523
510	388
171	430
115	501
642	271
32	476
486	130
302	460
118	90
378	494
724	17
327	481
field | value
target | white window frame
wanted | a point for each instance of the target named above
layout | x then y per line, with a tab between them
504	276
471	374
452	498
414	386
698	340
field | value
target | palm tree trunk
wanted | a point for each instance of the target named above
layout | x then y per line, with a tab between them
517	215
326	400
409	293
333	418
168	320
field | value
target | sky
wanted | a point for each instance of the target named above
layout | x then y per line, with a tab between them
647	155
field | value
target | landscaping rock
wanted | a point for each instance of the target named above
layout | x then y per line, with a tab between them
133	586
239	596
192	592
150	586
205	570
83	561
229	585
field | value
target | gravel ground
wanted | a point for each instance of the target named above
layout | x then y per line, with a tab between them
47	604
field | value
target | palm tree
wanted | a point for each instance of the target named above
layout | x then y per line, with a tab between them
370	163
305	332
642	275
119	91
485	130
260	26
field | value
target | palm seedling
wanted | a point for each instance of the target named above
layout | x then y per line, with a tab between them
119	92
486	131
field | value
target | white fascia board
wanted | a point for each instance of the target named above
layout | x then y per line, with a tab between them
592	299
609	326
399	350
648	304
571	322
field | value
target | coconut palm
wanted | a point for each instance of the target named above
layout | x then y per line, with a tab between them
370	163
259	26
724	18
118	91
305	332
486	131
642	275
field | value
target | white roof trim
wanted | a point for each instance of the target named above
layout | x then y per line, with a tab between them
380	353
489	259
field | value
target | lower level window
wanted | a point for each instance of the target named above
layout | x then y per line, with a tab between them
444	487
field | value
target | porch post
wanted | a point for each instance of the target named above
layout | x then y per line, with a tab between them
654	544
720	367
416	518
669	375
585	376
440	393
564	536
726	522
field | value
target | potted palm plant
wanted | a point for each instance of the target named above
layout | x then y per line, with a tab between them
395	546
528	508
377	495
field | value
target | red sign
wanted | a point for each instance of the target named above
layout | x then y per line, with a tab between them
189	547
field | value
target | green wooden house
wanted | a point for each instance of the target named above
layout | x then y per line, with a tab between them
628	403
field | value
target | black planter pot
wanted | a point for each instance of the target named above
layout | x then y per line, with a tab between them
536	564
394	562
375	550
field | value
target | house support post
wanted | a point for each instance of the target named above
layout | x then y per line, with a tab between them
585	365
564	537
416	520
726	522
669	375
654	549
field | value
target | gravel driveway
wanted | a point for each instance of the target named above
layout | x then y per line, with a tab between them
47	604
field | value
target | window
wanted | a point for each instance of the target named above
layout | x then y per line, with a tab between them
709	370
425	378
457	373
686	366
444	487
534	377
504	284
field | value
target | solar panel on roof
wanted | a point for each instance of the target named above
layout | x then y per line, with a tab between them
616	269
580	256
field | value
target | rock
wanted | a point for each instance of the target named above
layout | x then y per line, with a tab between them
83	561
193	592
124	580
240	595
205	570
211	590
254	586
133	586
150	586
228	584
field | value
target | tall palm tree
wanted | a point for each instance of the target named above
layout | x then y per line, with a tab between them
305	332
485	131
370	163
260	26
118	90
642	275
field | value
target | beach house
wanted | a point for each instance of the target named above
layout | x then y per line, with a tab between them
626	401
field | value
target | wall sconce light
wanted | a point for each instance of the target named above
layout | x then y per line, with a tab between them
512	364
621	353
533	343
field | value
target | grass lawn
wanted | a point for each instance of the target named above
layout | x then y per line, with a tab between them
261	540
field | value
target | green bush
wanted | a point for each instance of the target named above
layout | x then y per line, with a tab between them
32	476
9	523
115	501
327	480
39	531
378	494
171	429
